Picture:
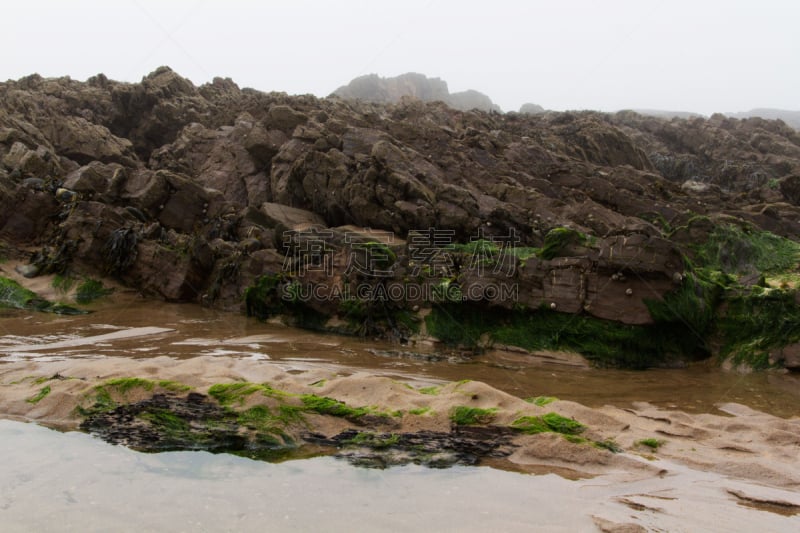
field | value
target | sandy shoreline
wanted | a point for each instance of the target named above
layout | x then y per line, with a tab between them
752	454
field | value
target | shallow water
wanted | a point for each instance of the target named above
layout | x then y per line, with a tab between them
51	481
200	331
73	482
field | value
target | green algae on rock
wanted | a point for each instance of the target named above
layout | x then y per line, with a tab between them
15	296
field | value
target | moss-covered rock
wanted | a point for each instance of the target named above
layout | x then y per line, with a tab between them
15	296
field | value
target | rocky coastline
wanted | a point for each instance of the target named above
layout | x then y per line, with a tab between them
635	241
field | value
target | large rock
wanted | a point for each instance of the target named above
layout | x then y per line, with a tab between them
39	163
189	206
26	214
284	118
88	230
531	109
217	159
373	88
471	99
78	139
790	355
95	178
152	112
283	216
178	272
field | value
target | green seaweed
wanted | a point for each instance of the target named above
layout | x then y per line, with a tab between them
63	283
559	238
90	290
431	391
541	401
463	415
419	411
653	444
373	440
44	391
447	291
457	324
102	402
290	414
270	423
689	312
102	396
531	425
275	295
166	420
378	255
752	324
744	249
125	385
608	444
263	298
173	386
477	247
229	393
604	342
15	296
551	422
658	220
523	253
561	424
328	406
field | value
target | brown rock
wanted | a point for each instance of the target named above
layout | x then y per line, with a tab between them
78	139
790	355
26	214
39	163
284	118
94	178
283	216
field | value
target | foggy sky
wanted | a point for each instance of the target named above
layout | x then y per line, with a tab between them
701	56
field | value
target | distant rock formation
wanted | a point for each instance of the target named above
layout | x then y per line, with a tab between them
792	118
662	113
531	109
373	88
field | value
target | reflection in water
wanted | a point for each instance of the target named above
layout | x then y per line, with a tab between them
72	482
200	331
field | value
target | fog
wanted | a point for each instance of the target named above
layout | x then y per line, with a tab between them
678	55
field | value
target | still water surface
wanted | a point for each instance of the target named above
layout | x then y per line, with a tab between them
52	481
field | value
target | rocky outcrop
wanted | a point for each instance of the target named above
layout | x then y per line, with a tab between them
199	193
531	109
792	118
373	88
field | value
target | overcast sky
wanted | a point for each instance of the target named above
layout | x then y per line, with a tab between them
701	56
